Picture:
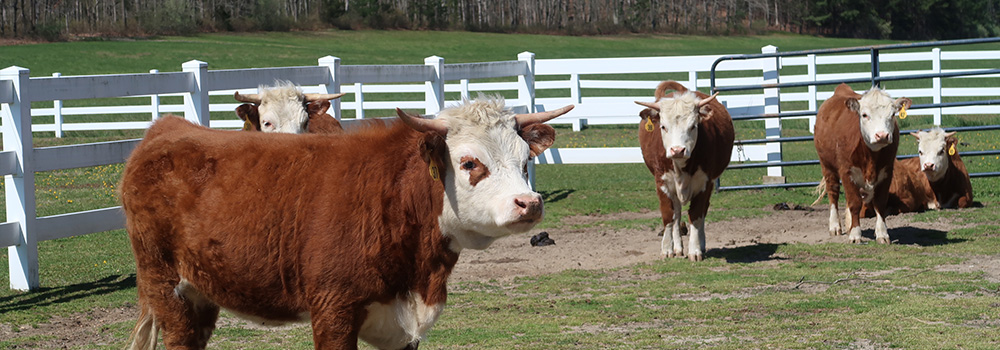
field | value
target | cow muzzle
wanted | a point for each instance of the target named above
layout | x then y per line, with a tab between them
528	209
676	152
929	167
882	138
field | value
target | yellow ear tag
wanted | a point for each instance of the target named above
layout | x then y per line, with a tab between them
247	125
951	150
434	171
649	125
902	112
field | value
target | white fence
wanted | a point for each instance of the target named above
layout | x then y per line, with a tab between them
599	100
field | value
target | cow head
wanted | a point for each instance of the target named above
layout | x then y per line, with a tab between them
934	151
282	108
877	111
679	117
488	148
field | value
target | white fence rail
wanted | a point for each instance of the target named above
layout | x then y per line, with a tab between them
600	88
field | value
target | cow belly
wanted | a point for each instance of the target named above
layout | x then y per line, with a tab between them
261	316
684	186
399	323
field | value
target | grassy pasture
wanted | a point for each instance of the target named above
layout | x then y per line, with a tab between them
884	296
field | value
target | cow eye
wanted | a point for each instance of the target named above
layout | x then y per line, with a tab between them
920	152
695	126
268	124
469	165
940	152
865	115
664	128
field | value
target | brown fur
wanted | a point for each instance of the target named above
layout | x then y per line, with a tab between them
840	146
359	225
909	190
711	153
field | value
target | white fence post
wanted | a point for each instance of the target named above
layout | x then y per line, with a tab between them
434	97
574	88
333	83
936	83
811	75
154	100
772	126
57	112
359	101
196	100
693	81
526	96
20	187
464	84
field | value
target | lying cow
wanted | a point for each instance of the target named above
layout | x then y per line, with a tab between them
361	232
686	139
856	140
945	171
284	108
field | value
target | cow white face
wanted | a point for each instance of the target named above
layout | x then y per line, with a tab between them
680	117
877	113
282	110
933	152
486	182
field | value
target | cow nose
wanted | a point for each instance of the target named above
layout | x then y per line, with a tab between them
881	137
928	166
528	207
677	151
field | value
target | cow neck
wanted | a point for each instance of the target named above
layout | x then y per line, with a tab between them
434	260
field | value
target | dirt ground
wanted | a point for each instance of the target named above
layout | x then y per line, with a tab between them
592	247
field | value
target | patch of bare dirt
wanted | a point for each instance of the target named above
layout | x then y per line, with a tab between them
590	245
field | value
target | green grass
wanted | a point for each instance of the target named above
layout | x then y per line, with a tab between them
891	296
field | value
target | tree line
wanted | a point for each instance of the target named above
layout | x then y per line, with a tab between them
880	19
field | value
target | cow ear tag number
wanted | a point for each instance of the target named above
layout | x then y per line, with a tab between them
649	125
247	125
951	150
902	112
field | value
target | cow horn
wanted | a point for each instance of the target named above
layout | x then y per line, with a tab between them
524	120
652	105
421	124
322	97
704	102
251	98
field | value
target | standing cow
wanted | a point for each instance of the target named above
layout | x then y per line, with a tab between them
686	139
360	235
856	140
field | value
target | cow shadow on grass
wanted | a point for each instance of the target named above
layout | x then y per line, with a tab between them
54	295
746	254
909	235
555	196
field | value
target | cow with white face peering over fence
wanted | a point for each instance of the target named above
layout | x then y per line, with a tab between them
283	108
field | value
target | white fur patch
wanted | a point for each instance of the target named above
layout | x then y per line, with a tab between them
877	112
866	188
401	322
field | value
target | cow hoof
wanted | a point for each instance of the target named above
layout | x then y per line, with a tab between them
835	233
856	240
883	240
695	257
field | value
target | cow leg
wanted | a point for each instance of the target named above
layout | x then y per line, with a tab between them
667	216
881	204
335	328
696	231
677	249
186	319
853	198
833	193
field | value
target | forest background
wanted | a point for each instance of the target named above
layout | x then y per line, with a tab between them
59	20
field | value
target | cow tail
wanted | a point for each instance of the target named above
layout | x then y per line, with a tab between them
819	191
146	330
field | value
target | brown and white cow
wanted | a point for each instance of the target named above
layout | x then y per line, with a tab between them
319	121
284	108
360	235
945	171
909	190
686	139
856	139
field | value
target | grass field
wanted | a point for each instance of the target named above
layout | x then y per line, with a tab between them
884	296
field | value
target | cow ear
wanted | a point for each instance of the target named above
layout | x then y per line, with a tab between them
853	105
251	118
706	112
434	151
902	102
539	137
651	114
317	107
